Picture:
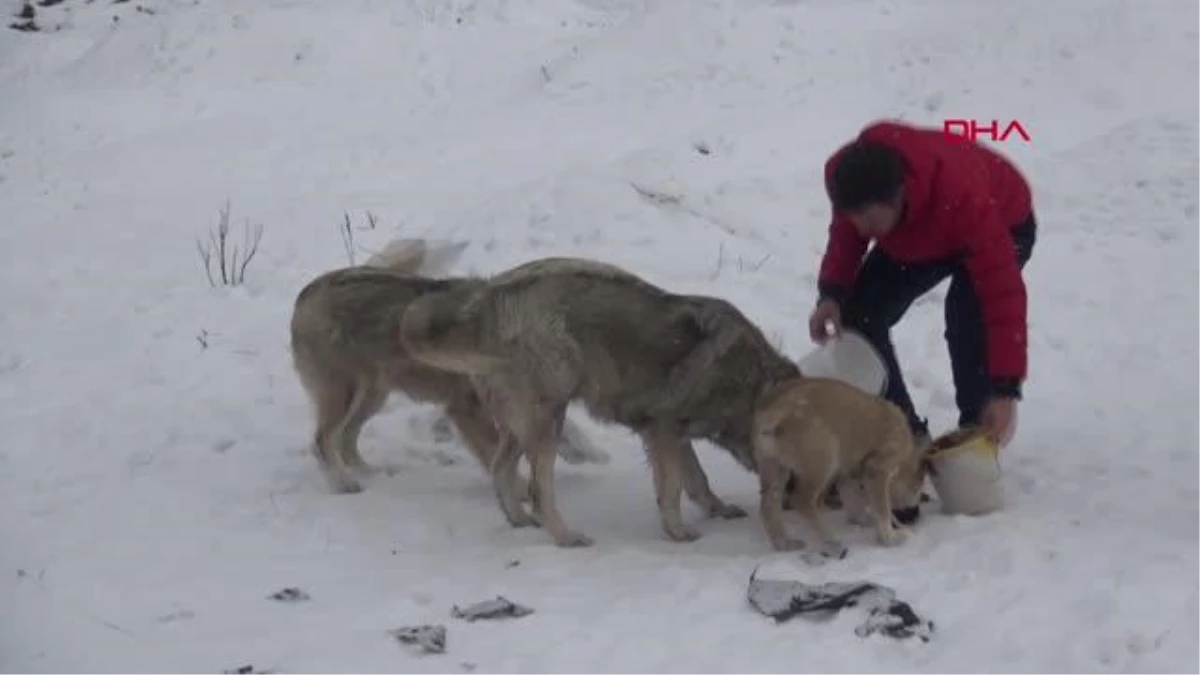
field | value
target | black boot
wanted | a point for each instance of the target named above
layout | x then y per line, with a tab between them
921	436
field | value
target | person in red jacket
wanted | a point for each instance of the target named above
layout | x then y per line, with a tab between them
937	206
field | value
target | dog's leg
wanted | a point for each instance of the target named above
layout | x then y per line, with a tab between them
477	430
854	501
772	478
832	499
666	463
878	479
374	394
810	494
479	433
334	401
495	404
695	484
544	429
504	481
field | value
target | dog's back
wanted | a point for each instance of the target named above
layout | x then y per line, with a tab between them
860	421
633	353
349	318
345	323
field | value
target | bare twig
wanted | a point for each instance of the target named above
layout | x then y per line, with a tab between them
348	238
230	266
222	237
250	248
206	258
756	266
372	221
720	262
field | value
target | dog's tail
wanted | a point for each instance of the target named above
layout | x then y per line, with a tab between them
444	330
575	447
417	256
719	322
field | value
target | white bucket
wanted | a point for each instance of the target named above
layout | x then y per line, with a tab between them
849	358
965	471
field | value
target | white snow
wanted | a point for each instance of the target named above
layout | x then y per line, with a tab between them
154	492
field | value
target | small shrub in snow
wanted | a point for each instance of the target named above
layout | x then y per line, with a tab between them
230	267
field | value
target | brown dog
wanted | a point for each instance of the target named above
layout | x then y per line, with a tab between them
823	431
347	353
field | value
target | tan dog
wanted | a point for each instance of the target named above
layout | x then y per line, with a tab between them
824	431
347	353
670	367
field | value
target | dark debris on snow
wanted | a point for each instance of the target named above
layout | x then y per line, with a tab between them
784	600
430	638
500	608
290	594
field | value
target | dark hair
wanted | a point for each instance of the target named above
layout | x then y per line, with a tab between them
867	173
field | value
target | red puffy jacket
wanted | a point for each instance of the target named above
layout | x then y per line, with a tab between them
962	199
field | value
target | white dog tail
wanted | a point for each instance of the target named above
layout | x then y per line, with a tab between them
417	256
576	448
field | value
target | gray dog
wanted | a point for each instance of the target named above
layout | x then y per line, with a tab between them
673	368
346	350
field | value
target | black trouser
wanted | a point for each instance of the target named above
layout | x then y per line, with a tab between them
883	292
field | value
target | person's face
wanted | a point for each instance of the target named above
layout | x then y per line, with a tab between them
877	220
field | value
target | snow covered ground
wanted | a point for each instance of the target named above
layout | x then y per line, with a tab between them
155	483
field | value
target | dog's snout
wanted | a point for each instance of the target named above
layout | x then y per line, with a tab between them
907	516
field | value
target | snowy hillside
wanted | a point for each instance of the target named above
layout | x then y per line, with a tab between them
155	479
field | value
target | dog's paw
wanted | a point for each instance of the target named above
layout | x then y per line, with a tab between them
573	539
825	553
365	470
787	544
682	533
362	469
522	518
727	511
893	537
343	484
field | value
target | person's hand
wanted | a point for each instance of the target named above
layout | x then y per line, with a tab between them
827	312
998	417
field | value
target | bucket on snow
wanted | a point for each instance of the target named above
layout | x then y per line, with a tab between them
964	467
849	358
